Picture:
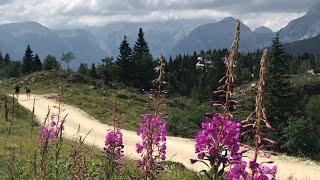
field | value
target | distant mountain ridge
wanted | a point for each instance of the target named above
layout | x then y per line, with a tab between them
219	35
263	30
311	45
304	27
171	37
15	37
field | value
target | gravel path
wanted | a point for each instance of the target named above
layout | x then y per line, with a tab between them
179	149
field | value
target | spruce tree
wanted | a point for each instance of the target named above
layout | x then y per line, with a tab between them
83	69
93	71
6	59
125	62
36	63
143	63
27	61
1	60
278	93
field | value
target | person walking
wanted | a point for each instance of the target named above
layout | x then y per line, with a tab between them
17	91
28	91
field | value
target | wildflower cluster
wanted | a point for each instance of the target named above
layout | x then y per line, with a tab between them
48	132
219	143
114	149
217	135
153	145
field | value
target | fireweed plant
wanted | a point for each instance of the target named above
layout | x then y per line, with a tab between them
113	149
153	131
260	170
78	162
218	141
50	141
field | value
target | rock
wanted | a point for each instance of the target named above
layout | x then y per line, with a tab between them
51	96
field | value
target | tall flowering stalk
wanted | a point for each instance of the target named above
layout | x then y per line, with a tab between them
228	79
78	165
218	142
51	139
114	148
49	133
259	170
153	131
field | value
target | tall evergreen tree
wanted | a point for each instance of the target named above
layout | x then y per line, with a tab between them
6	59
125	62
27	61
108	70
93	71
278	93
1	60
143	63
83	69
36	63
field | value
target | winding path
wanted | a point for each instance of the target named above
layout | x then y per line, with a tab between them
179	149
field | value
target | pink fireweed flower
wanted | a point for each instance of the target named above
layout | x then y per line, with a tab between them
219	136
114	148
153	146
263	172
237	171
49	131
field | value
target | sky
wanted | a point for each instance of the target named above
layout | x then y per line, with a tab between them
60	14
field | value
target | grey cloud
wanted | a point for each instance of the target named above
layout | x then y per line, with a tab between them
83	12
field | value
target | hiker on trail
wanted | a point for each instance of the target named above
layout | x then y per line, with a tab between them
17	90
28	91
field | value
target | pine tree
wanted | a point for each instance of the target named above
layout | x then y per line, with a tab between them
93	71
1	60
6	59
108	70
36	63
50	63
125	62
27	61
278	93
83	69
143	63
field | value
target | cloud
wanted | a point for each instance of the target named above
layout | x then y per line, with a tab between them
77	13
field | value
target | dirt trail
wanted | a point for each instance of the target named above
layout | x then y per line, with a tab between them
179	149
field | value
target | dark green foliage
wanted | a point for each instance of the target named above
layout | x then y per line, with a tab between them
50	63
143	63
108	71
12	69
303	132
93	71
83	69
279	100
125	63
6	59
27	61
36	63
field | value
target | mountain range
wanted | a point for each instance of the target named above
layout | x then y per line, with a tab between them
171	37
